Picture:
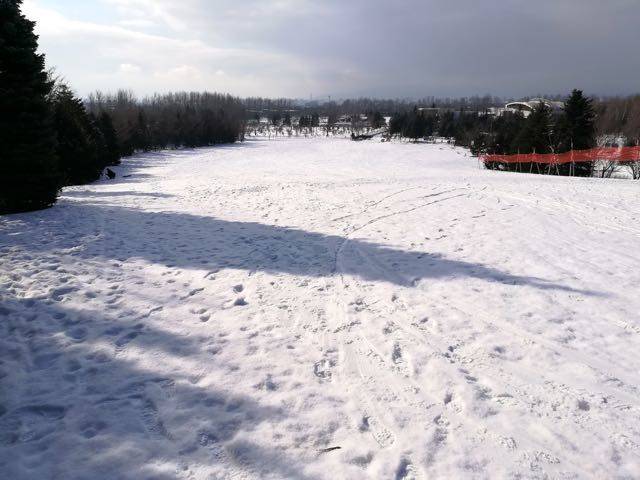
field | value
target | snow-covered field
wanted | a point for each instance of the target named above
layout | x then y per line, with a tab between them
322	309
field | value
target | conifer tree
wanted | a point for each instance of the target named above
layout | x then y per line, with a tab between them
416	125
104	123
535	136
577	125
275	119
377	120
577	131
397	124
447	125
80	143
29	178
142	135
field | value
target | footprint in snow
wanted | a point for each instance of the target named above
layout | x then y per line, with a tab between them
126	339
406	470
584	405
78	334
396	354
267	384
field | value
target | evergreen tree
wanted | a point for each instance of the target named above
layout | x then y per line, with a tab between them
142	135
377	120
397	124
506	129
80	143
416	125
275	119
577	132
430	125
111	154
29	178
447	125
577	125
535	136
287	120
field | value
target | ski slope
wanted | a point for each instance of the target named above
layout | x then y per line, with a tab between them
322	309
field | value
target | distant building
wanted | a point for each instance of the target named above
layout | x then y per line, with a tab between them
528	106
496	111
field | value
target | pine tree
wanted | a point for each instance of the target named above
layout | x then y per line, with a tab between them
275	119
577	125
112	149
416	126
447	125
397	124
377	120
29	178
142	135
80	143
535	136
577	132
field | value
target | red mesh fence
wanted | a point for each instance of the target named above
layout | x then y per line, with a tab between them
610	154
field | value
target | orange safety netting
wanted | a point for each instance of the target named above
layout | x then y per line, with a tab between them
611	154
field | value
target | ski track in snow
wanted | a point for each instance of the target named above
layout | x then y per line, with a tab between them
241	311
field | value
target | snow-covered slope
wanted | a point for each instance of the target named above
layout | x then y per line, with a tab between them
322	309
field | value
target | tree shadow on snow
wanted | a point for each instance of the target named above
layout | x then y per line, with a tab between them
75	406
85	194
207	243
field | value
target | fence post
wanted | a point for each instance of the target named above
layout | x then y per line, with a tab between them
573	165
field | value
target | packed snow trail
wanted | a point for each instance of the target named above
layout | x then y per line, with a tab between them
243	311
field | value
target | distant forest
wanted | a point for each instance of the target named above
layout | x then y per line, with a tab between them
464	118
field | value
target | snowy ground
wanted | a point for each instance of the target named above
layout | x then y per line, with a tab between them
234	312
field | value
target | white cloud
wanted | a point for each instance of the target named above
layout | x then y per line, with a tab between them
141	10
129	68
88	54
359	47
182	72
142	23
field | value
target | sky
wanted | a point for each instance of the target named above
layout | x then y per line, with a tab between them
343	48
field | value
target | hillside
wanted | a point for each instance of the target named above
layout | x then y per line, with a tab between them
242	311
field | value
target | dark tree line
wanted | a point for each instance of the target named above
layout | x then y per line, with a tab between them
460	125
414	124
30	178
464	118
619	117
48	139
85	144
543	131
173	120
264	107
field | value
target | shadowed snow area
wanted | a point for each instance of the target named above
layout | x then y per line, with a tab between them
241	311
